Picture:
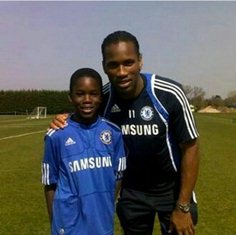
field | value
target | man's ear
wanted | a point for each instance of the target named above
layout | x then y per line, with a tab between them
103	66
69	98
140	62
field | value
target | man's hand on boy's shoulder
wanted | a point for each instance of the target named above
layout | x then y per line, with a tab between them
59	122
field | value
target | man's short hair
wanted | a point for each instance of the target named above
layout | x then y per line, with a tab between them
119	36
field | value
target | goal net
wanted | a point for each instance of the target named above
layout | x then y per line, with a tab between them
38	112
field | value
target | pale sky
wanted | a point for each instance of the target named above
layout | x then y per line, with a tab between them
43	43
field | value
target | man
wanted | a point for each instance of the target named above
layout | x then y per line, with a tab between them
160	133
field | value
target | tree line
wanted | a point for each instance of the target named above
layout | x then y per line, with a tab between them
196	96
24	101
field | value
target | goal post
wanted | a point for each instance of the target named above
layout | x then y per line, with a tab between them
38	112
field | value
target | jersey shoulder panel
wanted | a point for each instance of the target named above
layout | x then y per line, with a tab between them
111	125
55	134
167	85
168	80
171	95
106	90
169	91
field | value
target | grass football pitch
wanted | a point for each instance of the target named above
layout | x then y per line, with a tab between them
22	204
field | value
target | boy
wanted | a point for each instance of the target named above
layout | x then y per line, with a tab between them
82	163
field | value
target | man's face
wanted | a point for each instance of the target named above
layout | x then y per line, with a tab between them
122	65
86	98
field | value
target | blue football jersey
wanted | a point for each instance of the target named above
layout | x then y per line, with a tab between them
84	162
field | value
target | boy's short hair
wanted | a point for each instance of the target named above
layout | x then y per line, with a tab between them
85	72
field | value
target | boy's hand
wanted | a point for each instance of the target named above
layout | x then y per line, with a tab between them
59	122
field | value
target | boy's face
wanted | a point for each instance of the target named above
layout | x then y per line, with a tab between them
86	98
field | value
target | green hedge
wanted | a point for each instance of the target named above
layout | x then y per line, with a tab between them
24	101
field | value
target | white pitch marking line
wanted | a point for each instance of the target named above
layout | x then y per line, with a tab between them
16	136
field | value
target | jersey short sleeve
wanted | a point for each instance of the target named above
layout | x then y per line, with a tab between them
183	123
120	156
50	162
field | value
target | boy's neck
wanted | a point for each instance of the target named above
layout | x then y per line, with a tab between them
88	121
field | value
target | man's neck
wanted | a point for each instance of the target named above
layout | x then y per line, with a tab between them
135	93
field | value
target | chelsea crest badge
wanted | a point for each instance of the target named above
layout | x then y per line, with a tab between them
105	137
147	113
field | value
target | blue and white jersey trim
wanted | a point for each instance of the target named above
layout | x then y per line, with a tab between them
179	94
45	174
122	164
111	123
121	168
50	132
163	115
106	88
